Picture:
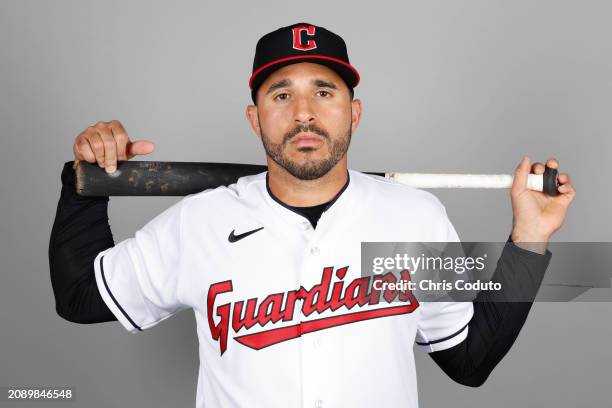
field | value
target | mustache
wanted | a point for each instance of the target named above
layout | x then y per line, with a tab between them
305	128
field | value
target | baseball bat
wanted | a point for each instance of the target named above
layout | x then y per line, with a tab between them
156	178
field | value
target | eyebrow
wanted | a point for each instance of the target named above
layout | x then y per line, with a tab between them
324	84
283	83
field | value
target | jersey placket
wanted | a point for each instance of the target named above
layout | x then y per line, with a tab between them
317	346
312	346
311	355
318	386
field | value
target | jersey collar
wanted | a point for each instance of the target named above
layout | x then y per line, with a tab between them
329	205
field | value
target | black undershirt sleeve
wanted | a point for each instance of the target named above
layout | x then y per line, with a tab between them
497	321
80	231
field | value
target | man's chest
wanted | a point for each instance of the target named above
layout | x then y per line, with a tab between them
275	285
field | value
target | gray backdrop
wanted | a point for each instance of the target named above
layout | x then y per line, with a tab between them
446	87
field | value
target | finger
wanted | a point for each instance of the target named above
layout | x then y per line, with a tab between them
82	149
567	192
521	173
563	178
537	168
121	139
140	147
568	187
110	147
552	163
97	146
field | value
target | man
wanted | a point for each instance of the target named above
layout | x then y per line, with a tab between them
271	264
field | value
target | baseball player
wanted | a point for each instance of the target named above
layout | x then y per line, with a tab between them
271	264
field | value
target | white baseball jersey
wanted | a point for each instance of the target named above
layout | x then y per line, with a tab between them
284	316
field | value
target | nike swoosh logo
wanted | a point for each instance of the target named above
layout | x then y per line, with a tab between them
235	238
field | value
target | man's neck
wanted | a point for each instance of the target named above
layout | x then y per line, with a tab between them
305	193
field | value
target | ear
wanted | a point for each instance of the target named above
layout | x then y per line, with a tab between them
355	114
253	118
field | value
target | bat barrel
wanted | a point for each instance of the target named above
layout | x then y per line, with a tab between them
150	178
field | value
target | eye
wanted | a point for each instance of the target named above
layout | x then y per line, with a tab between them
324	93
282	96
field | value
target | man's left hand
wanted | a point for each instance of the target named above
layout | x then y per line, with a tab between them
536	215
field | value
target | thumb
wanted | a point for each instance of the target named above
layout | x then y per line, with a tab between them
139	147
519	183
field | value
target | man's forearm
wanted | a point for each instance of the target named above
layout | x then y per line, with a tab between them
498	317
80	231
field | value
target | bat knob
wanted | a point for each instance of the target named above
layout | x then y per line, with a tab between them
550	181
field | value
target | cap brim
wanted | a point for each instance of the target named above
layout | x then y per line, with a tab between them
348	73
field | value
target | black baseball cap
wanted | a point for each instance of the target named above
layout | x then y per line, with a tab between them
301	42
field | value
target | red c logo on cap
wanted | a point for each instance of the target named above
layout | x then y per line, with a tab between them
297	37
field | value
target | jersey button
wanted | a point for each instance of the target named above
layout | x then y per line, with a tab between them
319	404
306	225
315	251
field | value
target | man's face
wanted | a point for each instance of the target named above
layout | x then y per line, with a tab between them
305	118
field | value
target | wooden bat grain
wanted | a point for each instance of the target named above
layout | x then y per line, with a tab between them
155	178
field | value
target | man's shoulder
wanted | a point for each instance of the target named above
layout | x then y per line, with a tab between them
404	213
243	187
214	204
391	192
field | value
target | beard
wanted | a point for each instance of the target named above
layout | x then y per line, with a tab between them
311	169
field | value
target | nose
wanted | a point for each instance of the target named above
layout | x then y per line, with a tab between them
304	112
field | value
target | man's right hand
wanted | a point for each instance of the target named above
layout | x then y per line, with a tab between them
106	143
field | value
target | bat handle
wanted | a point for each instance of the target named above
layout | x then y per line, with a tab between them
550	181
